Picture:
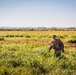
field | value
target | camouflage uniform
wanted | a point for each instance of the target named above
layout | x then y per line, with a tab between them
57	45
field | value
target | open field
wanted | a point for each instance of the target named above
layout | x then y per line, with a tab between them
26	53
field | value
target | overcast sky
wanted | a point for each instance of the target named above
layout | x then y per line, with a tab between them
37	13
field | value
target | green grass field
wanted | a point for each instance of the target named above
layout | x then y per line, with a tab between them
26	53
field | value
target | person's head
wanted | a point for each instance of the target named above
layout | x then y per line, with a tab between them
54	37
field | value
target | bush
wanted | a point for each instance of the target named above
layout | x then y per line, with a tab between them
28	36
1	38
9	35
16	63
61	36
72	41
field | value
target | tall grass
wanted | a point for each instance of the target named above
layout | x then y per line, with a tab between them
34	59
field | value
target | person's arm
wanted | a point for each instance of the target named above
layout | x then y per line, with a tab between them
51	46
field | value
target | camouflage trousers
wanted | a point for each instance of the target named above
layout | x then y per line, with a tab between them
57	53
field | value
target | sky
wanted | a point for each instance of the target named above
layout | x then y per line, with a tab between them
37	13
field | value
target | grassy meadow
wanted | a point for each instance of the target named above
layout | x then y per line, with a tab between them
26	53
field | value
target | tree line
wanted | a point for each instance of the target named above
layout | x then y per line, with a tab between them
37	29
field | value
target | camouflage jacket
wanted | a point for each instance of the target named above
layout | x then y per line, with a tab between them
57	44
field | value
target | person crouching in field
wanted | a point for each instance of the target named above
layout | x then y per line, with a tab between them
57	45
